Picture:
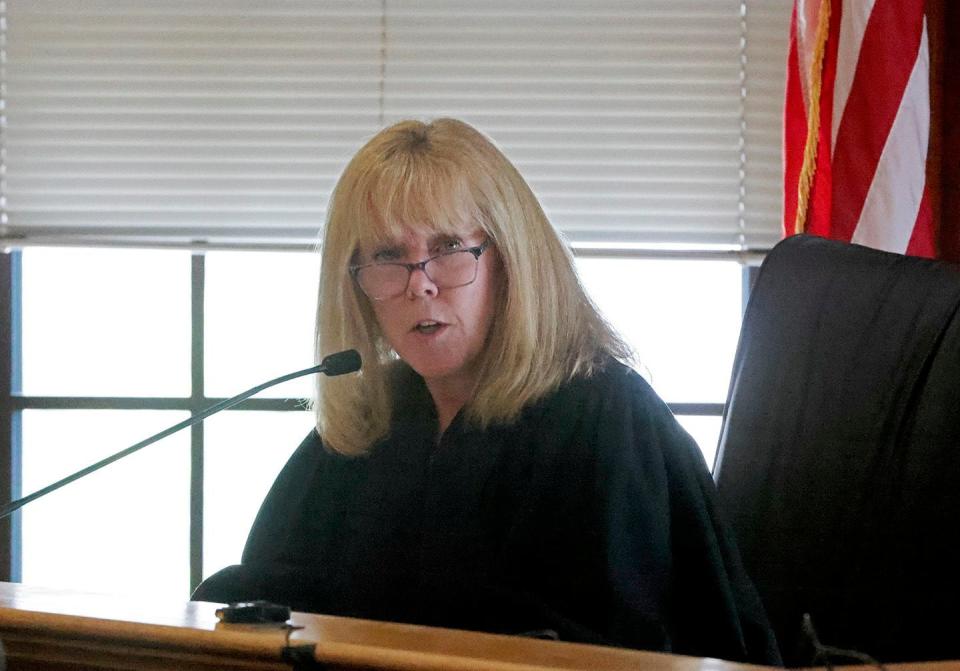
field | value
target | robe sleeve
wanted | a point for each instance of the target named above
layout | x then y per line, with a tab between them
630	537
271	567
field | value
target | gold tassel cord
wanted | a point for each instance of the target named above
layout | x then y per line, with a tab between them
813	119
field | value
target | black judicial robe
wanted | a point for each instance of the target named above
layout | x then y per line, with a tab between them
592	516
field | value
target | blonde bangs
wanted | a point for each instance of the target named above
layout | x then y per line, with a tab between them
419	193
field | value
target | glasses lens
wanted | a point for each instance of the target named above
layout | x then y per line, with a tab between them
447	271
383	280
453	270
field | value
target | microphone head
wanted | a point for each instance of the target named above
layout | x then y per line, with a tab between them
341	362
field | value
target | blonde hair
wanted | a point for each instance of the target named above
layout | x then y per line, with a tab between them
436	177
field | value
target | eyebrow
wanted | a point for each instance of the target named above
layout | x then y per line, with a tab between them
400	248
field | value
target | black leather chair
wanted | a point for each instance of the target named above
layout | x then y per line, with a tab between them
839	458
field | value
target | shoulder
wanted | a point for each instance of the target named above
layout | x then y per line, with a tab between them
611	388
311	462
312	450
614	415
314	478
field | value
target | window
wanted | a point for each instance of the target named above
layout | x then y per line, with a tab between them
108	341
109	337
683	319
111	530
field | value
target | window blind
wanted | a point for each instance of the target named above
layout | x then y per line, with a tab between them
227	122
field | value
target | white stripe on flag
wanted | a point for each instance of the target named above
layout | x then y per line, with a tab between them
892	203
853	24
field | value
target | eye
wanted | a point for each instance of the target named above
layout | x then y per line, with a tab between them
387	254
449	245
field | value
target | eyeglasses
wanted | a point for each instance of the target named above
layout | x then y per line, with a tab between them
449	270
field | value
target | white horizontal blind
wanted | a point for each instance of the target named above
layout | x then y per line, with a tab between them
227	121
184	120
767	27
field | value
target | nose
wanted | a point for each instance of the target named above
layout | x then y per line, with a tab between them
420	285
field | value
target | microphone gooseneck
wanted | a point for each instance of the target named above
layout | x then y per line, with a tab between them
340	363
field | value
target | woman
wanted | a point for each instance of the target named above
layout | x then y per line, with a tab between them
495	465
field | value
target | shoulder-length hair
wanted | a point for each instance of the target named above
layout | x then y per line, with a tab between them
436	177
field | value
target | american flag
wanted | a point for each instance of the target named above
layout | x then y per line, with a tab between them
857	124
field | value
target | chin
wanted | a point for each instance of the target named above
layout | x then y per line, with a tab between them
435	370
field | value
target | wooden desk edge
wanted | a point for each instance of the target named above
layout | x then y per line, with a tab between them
368	644
189	632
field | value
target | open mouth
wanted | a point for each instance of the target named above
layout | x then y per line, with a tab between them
427	327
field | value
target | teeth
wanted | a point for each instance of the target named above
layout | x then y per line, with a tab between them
428	326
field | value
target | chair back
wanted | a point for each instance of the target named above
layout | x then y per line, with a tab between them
839	458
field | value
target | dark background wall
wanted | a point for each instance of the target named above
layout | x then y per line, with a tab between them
944	165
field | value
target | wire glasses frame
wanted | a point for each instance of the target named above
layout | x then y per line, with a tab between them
447	270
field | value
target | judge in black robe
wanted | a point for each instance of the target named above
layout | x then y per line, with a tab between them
591	517
495	465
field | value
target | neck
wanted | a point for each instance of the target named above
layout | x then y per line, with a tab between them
449	396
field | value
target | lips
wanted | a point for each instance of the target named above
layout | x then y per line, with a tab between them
428	326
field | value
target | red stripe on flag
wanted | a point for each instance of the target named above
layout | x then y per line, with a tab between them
887	56
794	132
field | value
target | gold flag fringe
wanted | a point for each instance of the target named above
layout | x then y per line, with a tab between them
813	119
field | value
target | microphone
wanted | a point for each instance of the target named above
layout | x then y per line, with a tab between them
340	363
